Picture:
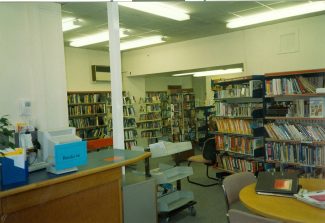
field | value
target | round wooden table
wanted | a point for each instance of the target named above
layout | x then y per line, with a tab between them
283	208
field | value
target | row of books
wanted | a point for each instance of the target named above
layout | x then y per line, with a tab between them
235	164
236	109
295	153
152	99
150	116
86	109
93	133
150	108
128	123
188	98
87	98
149	125
297	131
237	126
165	114
238	90
237	144
295	85
129	100
87	122
128	111
149	134
130	134
128	145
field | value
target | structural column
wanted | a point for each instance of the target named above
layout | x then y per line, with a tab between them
116	74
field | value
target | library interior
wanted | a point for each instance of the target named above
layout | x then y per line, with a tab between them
162	111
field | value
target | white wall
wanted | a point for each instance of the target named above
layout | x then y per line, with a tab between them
78	67
32	63
161	83
258	48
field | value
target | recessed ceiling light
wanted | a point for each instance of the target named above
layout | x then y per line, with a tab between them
92	39
158	8
141	42
277	14
70	24
211	72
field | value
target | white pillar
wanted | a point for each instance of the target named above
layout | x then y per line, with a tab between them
116	74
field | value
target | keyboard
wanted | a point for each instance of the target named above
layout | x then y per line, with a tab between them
37	166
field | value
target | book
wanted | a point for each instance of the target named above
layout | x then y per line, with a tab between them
317	107
277	183
314	198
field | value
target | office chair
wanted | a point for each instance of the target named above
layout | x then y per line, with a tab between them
237	216
208	158
232	185
97	144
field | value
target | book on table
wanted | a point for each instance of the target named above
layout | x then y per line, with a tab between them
277	183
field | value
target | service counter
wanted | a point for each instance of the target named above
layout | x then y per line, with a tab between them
91	194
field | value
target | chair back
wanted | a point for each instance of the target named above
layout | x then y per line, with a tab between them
234	183
209	151
237	216
97	144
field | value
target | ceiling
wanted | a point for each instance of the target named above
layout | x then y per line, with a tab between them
207	19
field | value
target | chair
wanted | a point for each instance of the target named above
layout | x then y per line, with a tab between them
97	144
237	216
233	184
208	157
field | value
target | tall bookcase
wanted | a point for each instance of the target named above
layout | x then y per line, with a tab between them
295	116
130	132
149	123
189	114
202	123
90	112
239	121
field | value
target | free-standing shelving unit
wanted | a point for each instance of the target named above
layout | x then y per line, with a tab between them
90	112
130	132
202	123
239	119
295	116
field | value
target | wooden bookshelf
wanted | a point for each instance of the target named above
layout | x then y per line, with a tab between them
239	121
129	122
90	112
293	94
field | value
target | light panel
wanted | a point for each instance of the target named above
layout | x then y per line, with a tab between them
211	72
158	8
92	39
70	24
141	42
277	14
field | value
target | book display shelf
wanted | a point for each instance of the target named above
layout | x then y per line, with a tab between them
239	121
189	115
295	116
130	132
149	123
90	112
202	123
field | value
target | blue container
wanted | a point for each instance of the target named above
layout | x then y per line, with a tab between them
12	175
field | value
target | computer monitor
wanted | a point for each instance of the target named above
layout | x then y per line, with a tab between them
62	149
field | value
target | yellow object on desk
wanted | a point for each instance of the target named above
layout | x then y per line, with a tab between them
284	208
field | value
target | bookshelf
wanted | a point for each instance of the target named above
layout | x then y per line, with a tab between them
295	121
202	123
149	123
189	114
130	126
239	132
90	112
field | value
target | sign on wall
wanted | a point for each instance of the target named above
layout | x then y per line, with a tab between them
101	73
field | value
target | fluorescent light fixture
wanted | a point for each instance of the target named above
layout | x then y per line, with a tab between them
141	42
277	14
158	8
70	23
218	72
211	72
92	39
